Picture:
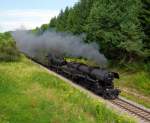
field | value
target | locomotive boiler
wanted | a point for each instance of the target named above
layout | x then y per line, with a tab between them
98	80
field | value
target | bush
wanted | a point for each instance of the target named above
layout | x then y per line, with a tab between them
8	50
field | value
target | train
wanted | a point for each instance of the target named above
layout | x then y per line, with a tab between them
98	80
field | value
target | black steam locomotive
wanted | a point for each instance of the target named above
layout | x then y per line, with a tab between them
99	81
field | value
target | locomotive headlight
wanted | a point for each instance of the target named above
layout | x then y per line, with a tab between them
110	75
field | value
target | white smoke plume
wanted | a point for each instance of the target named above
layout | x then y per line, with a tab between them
57	43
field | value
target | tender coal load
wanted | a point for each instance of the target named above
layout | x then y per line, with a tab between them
95	79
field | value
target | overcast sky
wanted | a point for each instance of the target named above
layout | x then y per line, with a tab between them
15	14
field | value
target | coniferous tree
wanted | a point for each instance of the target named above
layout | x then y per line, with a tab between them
121	27
115	25
52	23
145	22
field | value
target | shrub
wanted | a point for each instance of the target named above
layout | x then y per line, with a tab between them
8	49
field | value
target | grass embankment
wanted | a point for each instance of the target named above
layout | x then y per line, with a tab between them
134	81
28	94
135	86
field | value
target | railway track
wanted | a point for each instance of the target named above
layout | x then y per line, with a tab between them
141	113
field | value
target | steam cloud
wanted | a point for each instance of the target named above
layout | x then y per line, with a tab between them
57	43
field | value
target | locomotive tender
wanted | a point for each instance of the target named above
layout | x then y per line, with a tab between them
99	81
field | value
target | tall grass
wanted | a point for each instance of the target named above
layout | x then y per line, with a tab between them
139	81
137	85
28	94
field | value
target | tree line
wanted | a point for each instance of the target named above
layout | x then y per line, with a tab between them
8	49
120	27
